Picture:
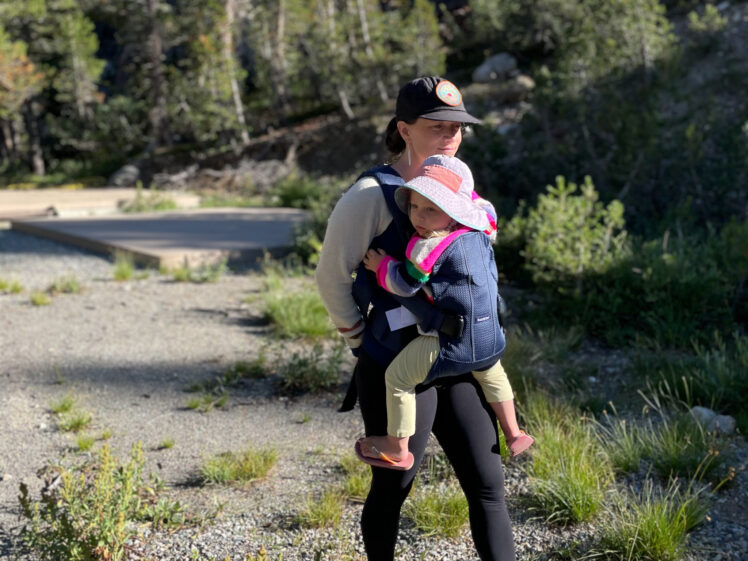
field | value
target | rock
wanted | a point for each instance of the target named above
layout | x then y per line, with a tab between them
126	176
517	89
496	67
703	415
723	424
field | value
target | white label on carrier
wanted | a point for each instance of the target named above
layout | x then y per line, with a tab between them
400	317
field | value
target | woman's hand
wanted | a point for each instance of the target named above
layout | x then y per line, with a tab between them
373	258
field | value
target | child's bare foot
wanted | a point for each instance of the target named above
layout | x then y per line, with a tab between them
519	443
385	451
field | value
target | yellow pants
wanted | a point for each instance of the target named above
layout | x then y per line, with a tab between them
410	368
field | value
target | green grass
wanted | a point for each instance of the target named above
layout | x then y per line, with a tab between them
124	266
40	299
568	472
233	375
323	511
714	377
153	201
311	370
85	442
65	285
240	467
652	524
294	313
75	421
438	511
208	401
197	275
63	404
10	287
166	444
357	478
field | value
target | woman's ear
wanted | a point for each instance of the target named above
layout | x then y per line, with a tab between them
404	130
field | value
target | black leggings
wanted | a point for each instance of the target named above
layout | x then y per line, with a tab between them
465	426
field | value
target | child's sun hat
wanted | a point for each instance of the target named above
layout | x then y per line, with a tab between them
448	183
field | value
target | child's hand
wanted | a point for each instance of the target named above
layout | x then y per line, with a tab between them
373	258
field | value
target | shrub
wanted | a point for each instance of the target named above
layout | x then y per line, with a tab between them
673	291
90	514
569	235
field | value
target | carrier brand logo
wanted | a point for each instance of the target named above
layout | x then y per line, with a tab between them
448	93
483	318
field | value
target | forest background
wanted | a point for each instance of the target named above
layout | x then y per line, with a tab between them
616	147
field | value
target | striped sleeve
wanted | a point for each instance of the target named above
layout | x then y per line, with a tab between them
393	276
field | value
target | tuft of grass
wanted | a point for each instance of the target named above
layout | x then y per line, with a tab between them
208	401
439	511
75	421
197	275
10	287
357	478
64	285
293	313
40	299
324	511
153	201
85	442
653	523
312	370
568	471
166	444
242	467
63	404
124	267
106	434
621	439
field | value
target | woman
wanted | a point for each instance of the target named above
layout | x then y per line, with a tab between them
428	120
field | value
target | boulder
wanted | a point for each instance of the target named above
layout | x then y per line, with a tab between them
703	415
126	176
496	67
723	424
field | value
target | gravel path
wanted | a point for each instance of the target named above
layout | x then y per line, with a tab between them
128	350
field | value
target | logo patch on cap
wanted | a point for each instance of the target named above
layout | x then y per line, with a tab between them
448	93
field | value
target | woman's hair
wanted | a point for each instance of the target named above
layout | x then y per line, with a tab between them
392	139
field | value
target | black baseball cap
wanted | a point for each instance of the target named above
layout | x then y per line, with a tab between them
431	97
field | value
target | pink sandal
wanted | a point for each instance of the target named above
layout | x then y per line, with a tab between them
383	460
520	444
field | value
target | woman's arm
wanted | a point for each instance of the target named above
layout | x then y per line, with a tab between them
359	216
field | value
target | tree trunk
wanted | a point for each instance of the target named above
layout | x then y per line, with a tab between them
367	44
36	156
336	53
158	113
228	56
